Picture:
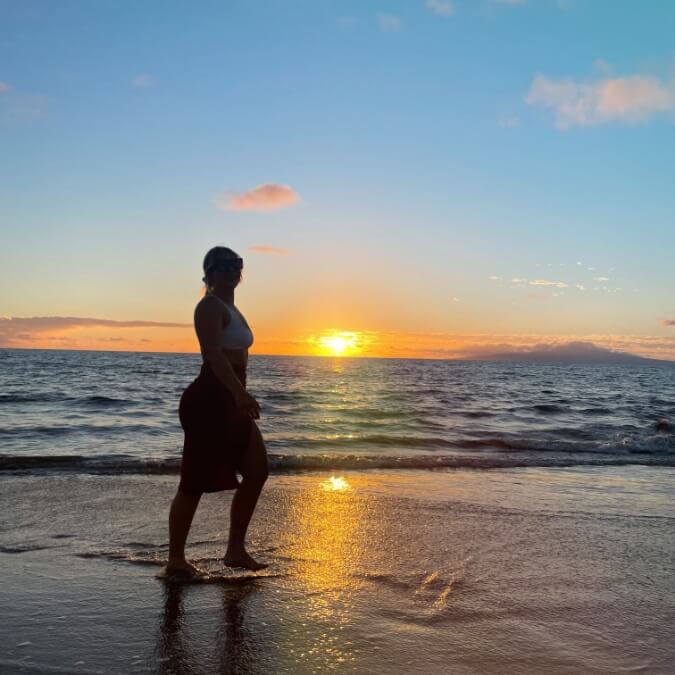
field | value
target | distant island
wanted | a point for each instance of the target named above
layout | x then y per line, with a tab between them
575	352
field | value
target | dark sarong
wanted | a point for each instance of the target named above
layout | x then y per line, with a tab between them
216	434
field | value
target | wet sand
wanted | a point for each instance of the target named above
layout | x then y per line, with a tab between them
519	571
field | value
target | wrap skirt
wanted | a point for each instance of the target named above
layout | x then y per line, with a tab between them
216	434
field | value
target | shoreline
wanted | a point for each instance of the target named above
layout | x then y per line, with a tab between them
290	464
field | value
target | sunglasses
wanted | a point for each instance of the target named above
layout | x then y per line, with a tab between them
235	264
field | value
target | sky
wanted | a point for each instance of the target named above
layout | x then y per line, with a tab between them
427	179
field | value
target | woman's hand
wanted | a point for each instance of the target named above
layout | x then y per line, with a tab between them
247	405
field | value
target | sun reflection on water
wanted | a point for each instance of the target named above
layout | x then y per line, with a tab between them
329	549
335	483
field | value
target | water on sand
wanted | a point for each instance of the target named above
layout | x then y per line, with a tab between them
522	570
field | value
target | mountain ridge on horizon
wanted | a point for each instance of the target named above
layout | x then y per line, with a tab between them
575	352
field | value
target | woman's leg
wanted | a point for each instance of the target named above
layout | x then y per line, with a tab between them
254	472
182	511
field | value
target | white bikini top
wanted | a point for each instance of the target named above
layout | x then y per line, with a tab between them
237	334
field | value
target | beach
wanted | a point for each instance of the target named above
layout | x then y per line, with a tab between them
557	570
402	272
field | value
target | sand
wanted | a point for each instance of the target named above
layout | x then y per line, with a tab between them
518	571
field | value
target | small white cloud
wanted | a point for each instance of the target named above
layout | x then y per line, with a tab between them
455	299
389	23
494	278
628	100
21	105
546	282
508	121
441	7
142	81
518	280
600	278
346	21
581	287
602	66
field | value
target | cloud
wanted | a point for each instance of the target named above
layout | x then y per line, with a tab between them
494	278
443	8
546	282
346	21
668	322
69	332
273	250
628	100
13	325
508	121
602	66
389	23
142	81
21	105
265	197
600	278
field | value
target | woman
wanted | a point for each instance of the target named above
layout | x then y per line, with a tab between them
217	415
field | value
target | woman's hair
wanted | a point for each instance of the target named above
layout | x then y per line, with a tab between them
214	255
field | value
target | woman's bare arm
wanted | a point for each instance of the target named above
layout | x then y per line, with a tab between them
209	327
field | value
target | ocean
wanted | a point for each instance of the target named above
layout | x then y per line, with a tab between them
115	412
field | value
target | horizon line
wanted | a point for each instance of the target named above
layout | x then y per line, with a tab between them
340	356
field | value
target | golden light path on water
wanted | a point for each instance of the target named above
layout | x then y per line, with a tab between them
329	548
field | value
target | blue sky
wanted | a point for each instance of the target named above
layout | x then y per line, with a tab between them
431	145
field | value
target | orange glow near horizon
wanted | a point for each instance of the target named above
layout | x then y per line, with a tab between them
313	341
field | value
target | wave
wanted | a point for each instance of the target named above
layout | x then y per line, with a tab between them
32	398
96	430
548	408
295	463
55	397
104	401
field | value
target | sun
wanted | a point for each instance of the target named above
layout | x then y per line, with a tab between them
336	343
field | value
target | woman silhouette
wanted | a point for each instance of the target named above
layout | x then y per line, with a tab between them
217	415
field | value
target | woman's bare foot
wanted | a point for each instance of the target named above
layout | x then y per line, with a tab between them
242	559
182	568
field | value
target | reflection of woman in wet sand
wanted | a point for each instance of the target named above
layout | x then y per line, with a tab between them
218	417
238	649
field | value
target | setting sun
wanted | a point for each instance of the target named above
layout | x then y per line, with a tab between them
337	344
340	343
